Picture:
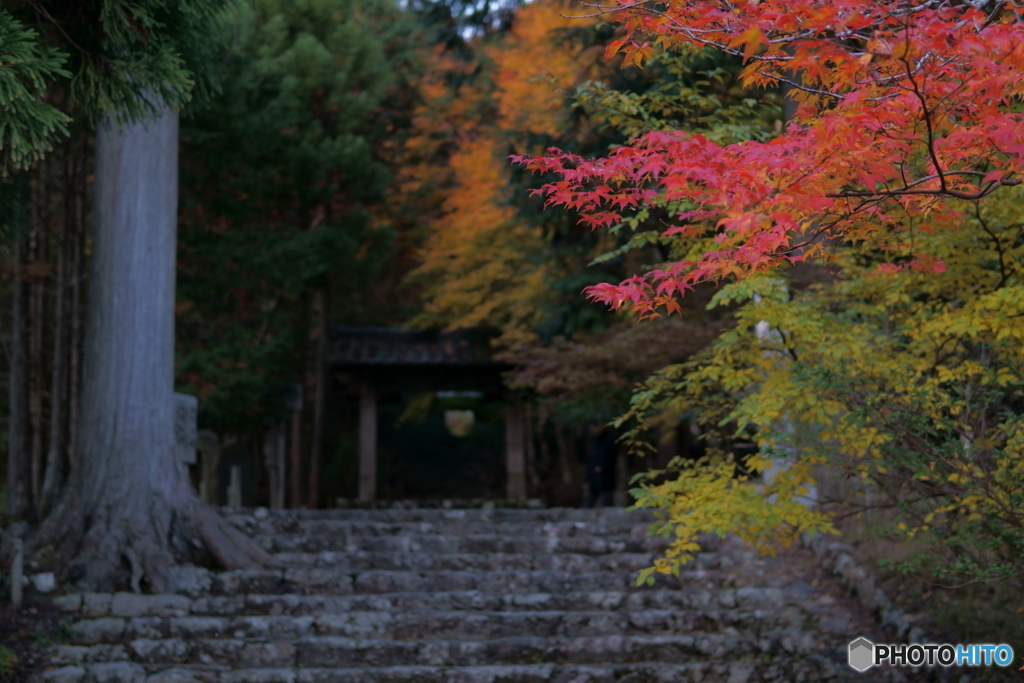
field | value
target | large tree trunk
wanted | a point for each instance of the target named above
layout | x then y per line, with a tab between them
129	502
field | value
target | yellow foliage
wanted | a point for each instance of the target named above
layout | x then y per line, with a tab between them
912	379
707	497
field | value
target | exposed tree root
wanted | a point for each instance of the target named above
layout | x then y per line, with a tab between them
113	547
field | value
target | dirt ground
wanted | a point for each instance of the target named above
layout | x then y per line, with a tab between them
28	633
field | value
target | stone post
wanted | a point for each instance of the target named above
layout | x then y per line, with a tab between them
186	411
209	446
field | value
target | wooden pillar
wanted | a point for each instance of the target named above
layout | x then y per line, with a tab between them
367	442
515	449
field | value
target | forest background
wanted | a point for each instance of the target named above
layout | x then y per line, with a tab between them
378	192
353	169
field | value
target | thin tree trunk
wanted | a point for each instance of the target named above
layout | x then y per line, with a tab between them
297	417
129	500
18	470
36	320
544	451
78	236
296	456
318	337
54	476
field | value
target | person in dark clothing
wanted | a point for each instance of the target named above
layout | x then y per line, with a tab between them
601	457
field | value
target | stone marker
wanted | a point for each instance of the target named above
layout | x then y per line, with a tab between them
235	487
186	412
208	446
45	582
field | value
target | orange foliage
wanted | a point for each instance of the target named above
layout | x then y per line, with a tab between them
482	264
536	67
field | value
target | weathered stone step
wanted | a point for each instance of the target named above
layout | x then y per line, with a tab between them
743	598
612	515
450	625
342	652
810	668
420	562
359	529
127	605
477	543
456	596
328	581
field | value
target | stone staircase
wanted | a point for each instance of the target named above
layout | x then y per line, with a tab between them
459	596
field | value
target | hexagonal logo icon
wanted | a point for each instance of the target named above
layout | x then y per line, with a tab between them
862	654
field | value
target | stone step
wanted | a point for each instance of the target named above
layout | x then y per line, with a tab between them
329	581
127	605
361	561
342	652
810	668
449	625
454	596
612	515
454	544
351	529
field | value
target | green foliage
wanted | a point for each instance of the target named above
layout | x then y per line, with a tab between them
127	56
692	90
281	181
122	58
28	124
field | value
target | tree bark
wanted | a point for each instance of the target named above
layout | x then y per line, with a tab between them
77	277
129	501
532	476
296	451
319	339
37	272
54	475
18	471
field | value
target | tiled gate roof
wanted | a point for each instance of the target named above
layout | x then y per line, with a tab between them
361	346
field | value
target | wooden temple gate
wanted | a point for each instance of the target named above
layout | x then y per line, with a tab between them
379	360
